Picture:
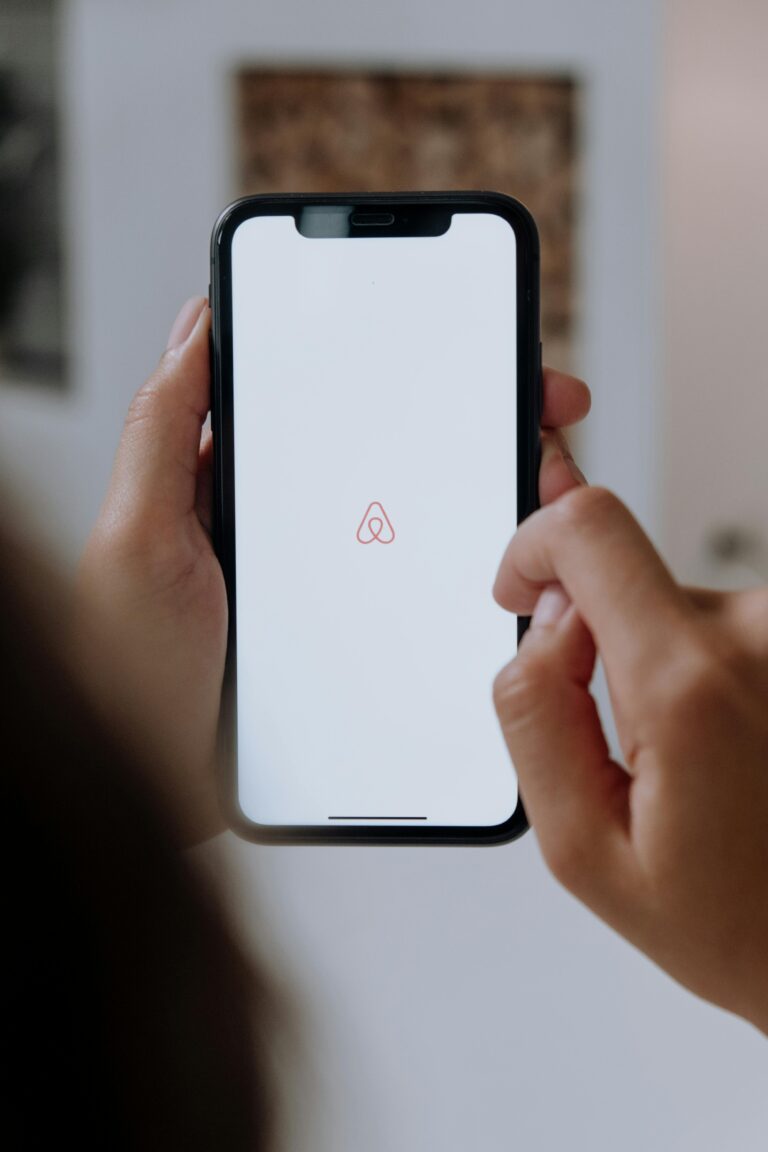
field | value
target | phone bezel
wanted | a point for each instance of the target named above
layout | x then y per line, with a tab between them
222	420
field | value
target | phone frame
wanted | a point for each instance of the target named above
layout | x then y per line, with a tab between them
222	419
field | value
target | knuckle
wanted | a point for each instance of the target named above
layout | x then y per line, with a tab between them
585	506
150	397
749	609
732	659
698	684
693	684
116	541
517	688
143	404
567	856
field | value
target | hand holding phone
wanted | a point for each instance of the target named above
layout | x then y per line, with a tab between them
672	852
150	595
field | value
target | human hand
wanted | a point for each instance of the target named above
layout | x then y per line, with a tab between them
673	851
151	595
565	401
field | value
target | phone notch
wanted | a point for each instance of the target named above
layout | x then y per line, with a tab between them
372	219
363	221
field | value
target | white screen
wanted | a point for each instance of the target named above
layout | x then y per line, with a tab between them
379	371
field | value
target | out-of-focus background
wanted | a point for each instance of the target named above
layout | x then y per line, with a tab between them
451	999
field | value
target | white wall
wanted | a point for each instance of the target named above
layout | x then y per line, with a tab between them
716	165
457	999
147	103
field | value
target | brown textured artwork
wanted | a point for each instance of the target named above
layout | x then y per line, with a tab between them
303	131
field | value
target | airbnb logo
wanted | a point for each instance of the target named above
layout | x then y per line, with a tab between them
375	525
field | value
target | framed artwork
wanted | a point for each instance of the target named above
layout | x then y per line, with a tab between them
32	347
339	131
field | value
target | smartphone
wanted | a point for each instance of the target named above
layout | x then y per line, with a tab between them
376	402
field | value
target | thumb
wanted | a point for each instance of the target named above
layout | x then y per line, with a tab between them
576	796
155	473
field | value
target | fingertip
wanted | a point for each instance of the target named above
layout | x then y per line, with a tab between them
510	594
566	399
203	322
587	397
499	590
582	397
187	365
551	607
495	588
186	321
197	339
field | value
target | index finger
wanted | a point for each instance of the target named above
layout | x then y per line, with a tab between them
589	542
565	400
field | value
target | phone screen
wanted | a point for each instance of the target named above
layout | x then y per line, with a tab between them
375	480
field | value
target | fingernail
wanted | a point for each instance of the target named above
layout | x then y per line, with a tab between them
551	606
574	470
185	322
570	463
549	447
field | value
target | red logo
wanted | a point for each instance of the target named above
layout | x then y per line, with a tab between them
375	525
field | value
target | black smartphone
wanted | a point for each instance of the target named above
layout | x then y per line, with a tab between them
376	400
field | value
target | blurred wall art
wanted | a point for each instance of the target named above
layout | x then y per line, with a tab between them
339	131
